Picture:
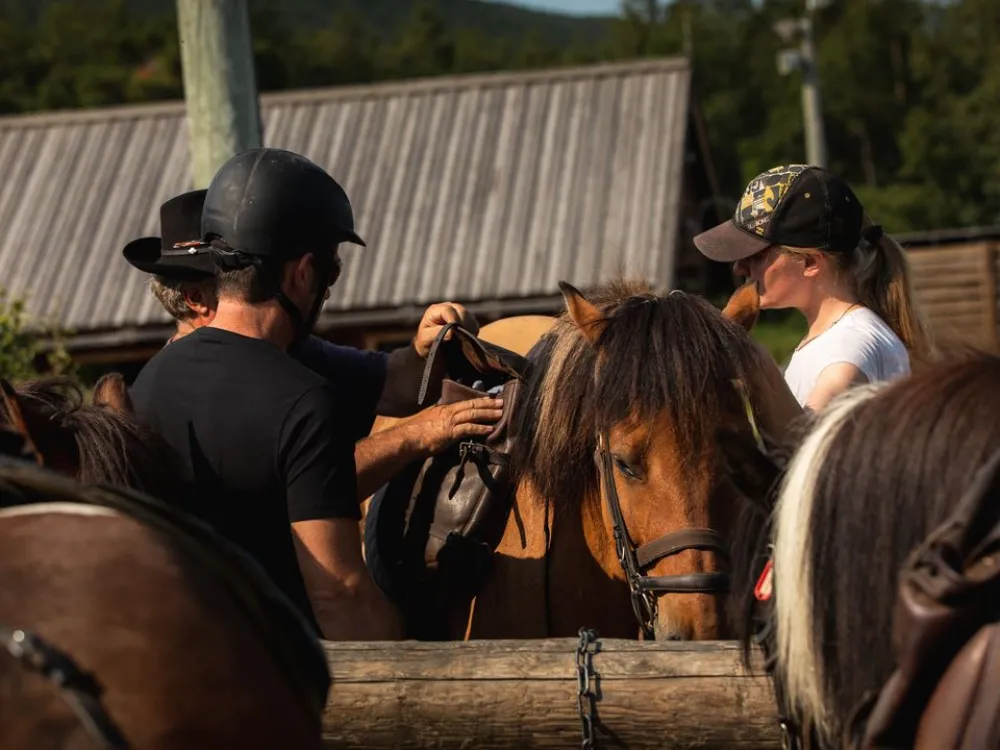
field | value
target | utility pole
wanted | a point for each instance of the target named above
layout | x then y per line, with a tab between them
220	87
804	59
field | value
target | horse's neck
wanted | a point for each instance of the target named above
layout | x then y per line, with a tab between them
773	400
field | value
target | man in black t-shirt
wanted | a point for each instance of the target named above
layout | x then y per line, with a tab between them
368	382
258	431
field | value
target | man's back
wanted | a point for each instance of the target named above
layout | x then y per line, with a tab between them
255	432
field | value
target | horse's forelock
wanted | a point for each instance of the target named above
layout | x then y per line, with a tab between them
673	354
553	420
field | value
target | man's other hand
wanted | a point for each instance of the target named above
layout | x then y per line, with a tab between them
437	317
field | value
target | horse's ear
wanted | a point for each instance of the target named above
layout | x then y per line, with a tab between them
112	392
583	312
16	420
744	306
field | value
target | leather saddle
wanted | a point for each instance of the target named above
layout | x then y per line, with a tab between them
945	692
431	532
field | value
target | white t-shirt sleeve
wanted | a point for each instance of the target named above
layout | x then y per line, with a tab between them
852	347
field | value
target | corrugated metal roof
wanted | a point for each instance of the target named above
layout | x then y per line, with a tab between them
470	188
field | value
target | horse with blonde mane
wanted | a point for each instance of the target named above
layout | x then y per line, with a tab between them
881	468
649	380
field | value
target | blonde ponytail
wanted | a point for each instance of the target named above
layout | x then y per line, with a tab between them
882	275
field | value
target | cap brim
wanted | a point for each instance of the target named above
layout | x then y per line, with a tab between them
727	243
146	255
353	237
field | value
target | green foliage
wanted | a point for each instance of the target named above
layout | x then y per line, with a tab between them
780	331
22	354
909	86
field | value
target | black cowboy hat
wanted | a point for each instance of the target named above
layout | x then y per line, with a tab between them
180	225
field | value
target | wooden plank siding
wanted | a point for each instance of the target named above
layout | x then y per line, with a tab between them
956	287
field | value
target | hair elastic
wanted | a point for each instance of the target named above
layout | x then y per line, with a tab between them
873	234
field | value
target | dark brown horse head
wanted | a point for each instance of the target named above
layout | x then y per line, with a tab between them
671	373
98	442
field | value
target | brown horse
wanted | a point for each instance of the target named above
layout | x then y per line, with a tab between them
100	442
126	624
881	467
659	376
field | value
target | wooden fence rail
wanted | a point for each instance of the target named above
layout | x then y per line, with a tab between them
523	694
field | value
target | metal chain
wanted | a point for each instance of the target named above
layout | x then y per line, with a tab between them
586	697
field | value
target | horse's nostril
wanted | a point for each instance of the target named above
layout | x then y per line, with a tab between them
675	637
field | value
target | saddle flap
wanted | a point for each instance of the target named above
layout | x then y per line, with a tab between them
487	359
468	359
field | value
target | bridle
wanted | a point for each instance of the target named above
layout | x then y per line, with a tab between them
635	561
80	690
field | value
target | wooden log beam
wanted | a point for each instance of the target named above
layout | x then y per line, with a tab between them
523	694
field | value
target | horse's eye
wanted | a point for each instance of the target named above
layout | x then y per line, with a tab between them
625	470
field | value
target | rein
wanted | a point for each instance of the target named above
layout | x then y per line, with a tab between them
80	690
635	561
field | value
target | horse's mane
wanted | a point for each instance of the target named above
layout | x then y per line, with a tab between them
675	354
110	446
555	433
880	470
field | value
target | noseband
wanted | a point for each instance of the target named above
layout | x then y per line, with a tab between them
635	561
79	688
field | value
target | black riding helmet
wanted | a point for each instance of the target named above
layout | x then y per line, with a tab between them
271	203
267	205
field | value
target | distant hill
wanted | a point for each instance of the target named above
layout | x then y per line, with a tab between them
385	16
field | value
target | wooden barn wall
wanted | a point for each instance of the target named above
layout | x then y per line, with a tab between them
956	287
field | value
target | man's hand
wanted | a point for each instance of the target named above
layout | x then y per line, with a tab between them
437	427
437	317
381	456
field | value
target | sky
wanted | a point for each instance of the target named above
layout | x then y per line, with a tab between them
574	7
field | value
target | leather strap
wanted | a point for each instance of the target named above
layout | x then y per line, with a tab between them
425	379
709	582
679	541
79	689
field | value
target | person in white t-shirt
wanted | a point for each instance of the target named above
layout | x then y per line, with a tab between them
803	238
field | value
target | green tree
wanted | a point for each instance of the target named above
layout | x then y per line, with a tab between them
423	47
23	353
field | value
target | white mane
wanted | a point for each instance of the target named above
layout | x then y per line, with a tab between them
797	653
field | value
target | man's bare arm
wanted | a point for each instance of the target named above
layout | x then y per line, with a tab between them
347	603
404	373
379	457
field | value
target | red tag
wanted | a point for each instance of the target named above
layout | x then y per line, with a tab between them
763	588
